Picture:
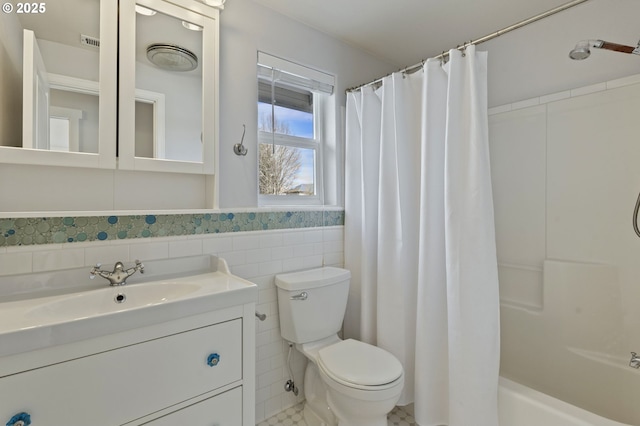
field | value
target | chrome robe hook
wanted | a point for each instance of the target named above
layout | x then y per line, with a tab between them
239	148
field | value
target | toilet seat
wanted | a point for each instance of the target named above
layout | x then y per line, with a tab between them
358	365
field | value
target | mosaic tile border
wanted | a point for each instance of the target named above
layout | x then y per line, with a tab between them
57	230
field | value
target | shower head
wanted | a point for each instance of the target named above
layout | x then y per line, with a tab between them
583	48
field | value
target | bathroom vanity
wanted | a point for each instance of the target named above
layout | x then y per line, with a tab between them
182	352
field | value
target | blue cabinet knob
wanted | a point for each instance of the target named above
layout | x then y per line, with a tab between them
213	360
20	419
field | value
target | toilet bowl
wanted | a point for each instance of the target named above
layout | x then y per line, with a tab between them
347	382
363	382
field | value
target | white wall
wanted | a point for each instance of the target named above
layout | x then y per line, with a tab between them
533	60
183	109
245	28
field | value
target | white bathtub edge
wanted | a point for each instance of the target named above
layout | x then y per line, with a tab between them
523	406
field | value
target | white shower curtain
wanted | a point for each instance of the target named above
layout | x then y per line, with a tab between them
419	236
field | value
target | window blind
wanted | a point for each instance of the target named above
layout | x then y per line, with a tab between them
289	74
287	97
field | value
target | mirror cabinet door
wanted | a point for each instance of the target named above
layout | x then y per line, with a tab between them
58	65
168	59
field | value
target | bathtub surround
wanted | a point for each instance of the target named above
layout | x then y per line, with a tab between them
420	237
565	164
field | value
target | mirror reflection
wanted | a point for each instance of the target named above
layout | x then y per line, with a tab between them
50	80
49	69
168	123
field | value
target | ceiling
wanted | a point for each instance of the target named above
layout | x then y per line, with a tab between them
403	32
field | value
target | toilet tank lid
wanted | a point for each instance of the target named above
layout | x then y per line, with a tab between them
312	278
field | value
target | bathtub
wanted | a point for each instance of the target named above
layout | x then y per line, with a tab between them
523	406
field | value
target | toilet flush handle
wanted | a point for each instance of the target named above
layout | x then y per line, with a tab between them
302	296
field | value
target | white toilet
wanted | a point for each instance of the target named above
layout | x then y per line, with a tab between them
347	382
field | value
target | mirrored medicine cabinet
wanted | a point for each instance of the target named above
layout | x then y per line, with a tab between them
128	84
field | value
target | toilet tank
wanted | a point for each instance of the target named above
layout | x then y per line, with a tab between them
320	313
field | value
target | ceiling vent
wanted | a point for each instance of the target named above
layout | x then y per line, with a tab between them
89	41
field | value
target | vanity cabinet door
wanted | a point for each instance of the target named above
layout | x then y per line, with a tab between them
118	386
221	410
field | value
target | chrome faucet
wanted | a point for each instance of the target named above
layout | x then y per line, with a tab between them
119	275
635	360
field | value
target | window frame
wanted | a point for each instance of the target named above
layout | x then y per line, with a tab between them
321	101
315	143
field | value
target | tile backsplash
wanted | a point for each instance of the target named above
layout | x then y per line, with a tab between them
70	229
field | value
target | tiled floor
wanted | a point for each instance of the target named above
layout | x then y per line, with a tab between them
293	417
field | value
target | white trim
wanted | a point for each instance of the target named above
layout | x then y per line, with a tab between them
266	209
295	69
73	84
294	201
39	157
73	117
157	100
108	100
316	144
295	142
210	47
572	93
201	7
34	76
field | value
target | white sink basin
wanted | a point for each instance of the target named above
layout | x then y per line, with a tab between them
110	300
39	322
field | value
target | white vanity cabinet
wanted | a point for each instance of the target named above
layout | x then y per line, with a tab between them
226	406
196	370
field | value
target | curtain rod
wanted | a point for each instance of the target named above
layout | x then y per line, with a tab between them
488	37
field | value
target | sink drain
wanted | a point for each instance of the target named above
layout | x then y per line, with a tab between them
120	298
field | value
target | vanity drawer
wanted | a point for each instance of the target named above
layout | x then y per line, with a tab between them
221	410
117	386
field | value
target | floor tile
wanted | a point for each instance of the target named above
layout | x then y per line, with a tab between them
293	417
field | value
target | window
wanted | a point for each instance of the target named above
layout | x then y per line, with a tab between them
291	102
